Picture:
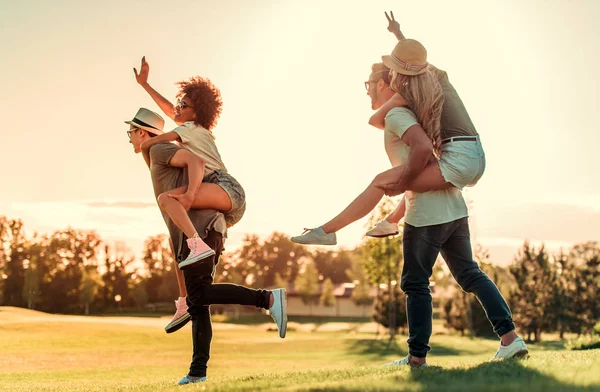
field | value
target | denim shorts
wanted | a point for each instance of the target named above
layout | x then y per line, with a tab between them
462	163
234	190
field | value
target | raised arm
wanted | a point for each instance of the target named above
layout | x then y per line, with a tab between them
142	78
394	26
378	119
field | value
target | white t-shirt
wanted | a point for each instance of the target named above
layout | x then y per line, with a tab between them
201	142
422	209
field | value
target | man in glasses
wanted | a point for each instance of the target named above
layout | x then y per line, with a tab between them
426	237
168	165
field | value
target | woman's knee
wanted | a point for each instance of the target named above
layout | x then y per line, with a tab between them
163	199
380	182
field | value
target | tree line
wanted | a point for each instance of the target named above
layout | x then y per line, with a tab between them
72	271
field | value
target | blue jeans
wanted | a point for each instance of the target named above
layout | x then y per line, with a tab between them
422	245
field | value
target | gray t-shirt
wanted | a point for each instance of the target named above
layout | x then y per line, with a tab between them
166	178
455	118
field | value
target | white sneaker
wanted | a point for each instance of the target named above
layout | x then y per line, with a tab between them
383	229
404	362
315	237
279	311
186	380
516	349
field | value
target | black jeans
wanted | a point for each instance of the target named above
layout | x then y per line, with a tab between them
202	293
422	245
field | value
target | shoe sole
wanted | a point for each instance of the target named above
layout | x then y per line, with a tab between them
283	303
382	235
521	354
176	325
312	243
201	256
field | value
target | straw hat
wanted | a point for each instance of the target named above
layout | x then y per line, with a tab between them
409	57
148	120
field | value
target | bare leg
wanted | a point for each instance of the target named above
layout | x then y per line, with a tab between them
430	179
208	196
178	273
180	281
398	213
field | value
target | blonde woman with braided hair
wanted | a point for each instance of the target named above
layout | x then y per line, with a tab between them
413	112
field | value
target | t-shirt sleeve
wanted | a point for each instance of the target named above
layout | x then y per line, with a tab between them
398	120
184	133
161	153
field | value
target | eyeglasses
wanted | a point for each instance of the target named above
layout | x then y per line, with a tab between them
368	83
182	105
133	129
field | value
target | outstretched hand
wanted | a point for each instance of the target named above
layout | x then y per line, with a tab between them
185	199
142	77
393	25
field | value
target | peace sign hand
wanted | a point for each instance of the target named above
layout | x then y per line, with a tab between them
393	25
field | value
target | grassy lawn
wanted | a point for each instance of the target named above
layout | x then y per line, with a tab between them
74	353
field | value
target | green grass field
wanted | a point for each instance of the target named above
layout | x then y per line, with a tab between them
72	353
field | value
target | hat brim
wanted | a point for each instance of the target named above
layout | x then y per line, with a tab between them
391	63
145	128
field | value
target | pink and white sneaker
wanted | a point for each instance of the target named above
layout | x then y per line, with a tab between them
181	317
198	251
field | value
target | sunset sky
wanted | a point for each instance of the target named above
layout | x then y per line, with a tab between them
294	127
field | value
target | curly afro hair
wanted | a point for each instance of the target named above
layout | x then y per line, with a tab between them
206	100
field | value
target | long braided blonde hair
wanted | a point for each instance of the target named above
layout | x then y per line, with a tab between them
425	98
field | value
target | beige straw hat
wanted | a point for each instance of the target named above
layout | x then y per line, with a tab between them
409	57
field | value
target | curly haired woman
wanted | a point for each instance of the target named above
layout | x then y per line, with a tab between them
196	112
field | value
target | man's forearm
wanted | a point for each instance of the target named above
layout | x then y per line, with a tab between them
162	102
418	158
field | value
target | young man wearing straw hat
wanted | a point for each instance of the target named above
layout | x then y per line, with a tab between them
168	165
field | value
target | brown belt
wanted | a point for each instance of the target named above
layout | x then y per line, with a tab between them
460	139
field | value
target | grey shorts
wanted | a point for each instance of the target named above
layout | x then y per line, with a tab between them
234	190
462	163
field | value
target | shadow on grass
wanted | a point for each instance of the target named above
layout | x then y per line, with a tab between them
551	345
255	319
509	375
375	348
